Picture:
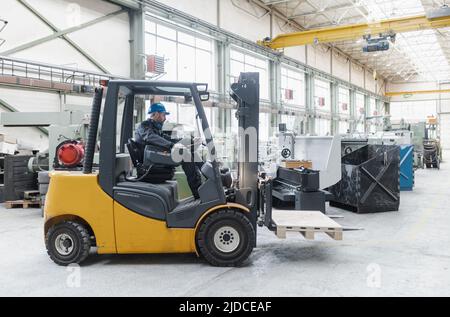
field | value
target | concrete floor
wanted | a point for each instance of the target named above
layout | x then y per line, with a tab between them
402	253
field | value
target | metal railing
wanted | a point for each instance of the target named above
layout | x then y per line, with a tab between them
52	73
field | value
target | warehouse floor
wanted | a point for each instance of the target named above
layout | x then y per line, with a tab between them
398	254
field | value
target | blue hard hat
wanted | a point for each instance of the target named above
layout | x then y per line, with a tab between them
157	107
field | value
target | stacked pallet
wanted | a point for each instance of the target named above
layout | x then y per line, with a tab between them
31	200
25	204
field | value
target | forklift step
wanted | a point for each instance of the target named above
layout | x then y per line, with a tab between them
307	223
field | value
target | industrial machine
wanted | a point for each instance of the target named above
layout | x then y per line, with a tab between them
432	153
305	188
401	138
117	212
350	144
378	44
323	151
67	131
370	180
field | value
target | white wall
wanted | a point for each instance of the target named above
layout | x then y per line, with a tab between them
26	136
111	44
29	101
107	41
319	56
341	66
203	9
418	107
296	52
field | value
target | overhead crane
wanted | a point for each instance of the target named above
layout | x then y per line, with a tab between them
416	92
433	20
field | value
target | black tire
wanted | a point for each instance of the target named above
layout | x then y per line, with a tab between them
216	225
78	239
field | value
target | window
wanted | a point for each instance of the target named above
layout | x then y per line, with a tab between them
187	117
322	95
360	113
242	62
323	126
292	87
188	57
292	124
359	105
119	121
344	127
344	101
373	108
264	127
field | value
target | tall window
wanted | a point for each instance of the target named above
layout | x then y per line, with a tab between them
323	126
322	95
344	127
264	126
292	87
243	62
360	112
373	108
344	101
292	123
188	56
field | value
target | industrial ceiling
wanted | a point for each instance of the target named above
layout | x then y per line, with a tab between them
418	55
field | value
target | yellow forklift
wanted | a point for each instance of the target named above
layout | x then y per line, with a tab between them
117	208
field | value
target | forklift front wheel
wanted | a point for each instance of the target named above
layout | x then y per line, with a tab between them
68	242
226	238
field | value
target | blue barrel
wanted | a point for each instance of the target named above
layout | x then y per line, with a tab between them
406	167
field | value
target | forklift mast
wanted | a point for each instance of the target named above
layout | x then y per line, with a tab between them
246	93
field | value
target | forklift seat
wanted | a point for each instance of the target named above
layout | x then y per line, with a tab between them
167	191
159	173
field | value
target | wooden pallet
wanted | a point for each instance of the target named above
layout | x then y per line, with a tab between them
307	223
296	164
32	195
25	204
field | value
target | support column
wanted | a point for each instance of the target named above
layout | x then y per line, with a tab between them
223	81
275	95
223	67
353	111
137	55
137	44
334	108
309	98
367	114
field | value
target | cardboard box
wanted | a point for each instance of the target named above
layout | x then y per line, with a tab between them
296	164
7	139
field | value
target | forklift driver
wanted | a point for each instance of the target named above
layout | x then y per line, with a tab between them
150	132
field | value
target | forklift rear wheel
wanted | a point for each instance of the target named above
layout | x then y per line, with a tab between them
226	238
67	243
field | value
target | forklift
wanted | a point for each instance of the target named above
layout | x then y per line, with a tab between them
118	209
